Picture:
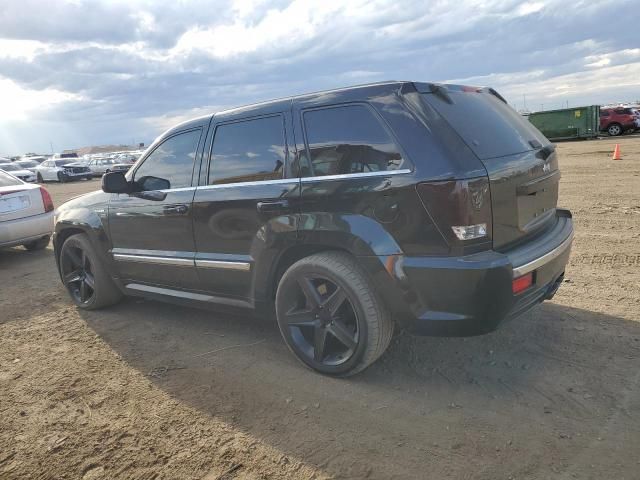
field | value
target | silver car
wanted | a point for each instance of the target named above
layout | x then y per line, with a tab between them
26	214
100	166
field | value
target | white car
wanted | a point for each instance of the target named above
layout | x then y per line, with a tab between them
26	214
18	171
62	170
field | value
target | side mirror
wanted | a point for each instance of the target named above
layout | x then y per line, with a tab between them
115	182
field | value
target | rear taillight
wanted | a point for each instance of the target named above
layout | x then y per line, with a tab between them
461	209
46	200
520	284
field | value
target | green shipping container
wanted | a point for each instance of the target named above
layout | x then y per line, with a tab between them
568	123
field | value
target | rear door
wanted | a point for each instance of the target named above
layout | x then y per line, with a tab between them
245	207
521	163
151	230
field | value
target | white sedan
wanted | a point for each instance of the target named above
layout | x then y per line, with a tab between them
18	171
26	214
62	170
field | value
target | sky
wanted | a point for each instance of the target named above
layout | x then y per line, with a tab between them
76	73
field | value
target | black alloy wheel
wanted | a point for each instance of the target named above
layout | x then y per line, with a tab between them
322	321
330	315
77	274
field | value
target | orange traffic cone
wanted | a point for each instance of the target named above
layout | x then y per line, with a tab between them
616	153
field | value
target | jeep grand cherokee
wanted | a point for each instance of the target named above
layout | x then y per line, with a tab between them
352	212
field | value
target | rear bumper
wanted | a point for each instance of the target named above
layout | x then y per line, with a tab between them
24	230
471	295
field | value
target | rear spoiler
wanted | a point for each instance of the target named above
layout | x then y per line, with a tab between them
441	90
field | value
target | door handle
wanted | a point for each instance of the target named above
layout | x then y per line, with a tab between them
275	206
175	209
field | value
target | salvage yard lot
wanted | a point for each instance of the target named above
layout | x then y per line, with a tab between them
148	390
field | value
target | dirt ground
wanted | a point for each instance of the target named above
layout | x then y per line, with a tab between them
131	392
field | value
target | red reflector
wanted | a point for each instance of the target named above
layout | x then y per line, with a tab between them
520	284
46	200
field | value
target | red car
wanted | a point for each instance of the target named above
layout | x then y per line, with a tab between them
616	121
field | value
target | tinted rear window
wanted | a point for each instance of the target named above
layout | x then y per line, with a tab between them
7	180
348	139
490	127
248	151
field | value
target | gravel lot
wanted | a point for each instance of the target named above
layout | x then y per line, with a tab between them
129	392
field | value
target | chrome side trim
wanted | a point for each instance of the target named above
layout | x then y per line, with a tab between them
248	184
179	262
169	291
383	173
224	265
546	258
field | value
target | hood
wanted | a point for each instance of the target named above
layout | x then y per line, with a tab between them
73	164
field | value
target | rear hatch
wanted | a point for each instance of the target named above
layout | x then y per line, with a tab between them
521	163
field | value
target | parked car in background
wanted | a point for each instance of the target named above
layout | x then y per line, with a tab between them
100	166
32	158
617	120
27	164
26	214
121	167
636	113
353	212
62	170
17	171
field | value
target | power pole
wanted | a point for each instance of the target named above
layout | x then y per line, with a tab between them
51	144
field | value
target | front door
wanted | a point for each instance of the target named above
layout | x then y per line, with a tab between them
247	207
151	230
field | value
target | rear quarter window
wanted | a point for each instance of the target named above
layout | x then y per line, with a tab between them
7	180
348	139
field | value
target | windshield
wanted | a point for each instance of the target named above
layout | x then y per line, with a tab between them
8	167
27	163
7	180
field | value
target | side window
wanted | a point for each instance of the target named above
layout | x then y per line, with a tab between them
248	151
348	139
170	165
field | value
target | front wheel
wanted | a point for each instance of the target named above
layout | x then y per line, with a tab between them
330	316
62	177
87	282
39	178
614	130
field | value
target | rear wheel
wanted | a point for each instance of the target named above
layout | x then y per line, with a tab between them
39	244
87	282
614	130
330	316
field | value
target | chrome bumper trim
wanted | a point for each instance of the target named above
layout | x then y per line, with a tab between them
544	259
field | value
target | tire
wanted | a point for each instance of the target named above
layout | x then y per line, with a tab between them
61	177
83	275
614	130
39	244
353	332
39	178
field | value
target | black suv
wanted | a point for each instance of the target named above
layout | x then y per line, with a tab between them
423	206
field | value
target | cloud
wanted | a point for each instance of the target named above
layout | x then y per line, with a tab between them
104	71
